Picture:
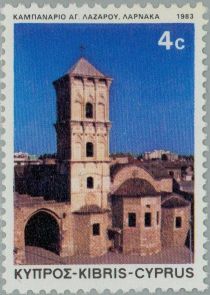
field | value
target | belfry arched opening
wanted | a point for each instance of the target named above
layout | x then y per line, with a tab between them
42	230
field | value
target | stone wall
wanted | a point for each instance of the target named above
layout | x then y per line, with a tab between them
117	212
80	194
141	239
170	235
85	242
59	211
75	230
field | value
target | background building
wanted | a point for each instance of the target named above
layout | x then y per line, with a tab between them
160	154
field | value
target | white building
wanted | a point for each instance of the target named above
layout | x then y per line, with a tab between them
158	154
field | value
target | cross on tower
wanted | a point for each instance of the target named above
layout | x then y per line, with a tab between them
82	49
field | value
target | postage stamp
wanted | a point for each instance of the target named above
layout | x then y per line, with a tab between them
104	148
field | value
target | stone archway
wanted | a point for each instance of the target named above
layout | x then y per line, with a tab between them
132	171
42	230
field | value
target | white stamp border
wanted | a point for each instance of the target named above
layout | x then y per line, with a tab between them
200	148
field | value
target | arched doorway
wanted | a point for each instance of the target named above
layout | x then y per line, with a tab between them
42	230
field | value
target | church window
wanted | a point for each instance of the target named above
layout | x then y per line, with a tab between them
90	183
147	219
90	80
178	222
96	229
78	78
102	81
89	149
132	219
89	110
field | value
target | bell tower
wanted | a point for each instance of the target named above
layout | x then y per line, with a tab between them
83	134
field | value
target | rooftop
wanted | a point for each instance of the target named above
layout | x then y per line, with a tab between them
175	201
88	209
187	186
26	200
136	187
84	68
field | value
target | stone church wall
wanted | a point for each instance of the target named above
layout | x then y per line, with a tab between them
59	211
170	235
141	239
80	194
85	242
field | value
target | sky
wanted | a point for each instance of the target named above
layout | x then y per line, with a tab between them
152	93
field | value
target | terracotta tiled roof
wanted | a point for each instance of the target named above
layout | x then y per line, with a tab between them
87	209
175	202
187	186
84	68
156	169
136	187
172	165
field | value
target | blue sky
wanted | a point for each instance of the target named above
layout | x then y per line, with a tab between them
152	95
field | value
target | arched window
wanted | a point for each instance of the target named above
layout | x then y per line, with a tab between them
90	183
89	110
89	149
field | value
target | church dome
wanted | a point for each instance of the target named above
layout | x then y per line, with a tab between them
136	187
175	202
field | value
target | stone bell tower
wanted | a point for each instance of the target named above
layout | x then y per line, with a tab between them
83	134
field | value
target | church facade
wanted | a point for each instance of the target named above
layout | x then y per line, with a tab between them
97	207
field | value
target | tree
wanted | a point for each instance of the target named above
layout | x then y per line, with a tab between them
140	157
47	156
